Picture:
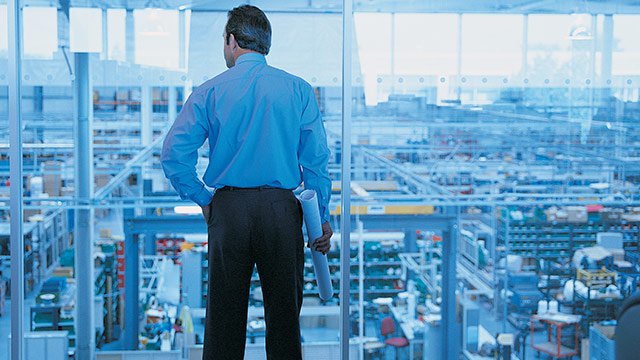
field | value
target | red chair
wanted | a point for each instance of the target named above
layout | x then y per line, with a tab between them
388	327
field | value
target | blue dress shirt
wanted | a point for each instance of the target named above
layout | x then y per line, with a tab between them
264	128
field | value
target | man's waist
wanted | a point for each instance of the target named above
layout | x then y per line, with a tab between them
254	188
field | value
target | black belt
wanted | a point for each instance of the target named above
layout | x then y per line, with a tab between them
256	188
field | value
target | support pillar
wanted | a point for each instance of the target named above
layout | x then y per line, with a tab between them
525	46
345	200
450	334
149	244
171	104
411	240
14	62
85	326
182	40
104	55
459	58
130	38
131	285
607	50
146	112
359	171
38	100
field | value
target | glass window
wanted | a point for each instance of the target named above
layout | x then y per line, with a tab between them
374	44
116	34
205	53
626	50
426	44
508	150
40	34
4	36
85	28
491	44
549	46
309	46
156	38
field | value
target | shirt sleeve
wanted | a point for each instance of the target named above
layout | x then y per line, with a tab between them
313	152
180	151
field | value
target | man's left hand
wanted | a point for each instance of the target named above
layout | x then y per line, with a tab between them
323	243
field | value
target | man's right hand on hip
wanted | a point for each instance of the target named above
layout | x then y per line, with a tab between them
206	211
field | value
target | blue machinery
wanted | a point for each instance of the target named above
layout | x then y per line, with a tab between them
146	225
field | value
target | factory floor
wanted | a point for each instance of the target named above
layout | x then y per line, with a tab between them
309	334
113	222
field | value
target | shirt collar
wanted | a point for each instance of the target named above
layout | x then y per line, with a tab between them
250	57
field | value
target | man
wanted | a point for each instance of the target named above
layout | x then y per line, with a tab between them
265	136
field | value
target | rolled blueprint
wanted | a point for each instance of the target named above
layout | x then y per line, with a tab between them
309	201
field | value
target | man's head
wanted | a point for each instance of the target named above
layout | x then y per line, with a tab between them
247	30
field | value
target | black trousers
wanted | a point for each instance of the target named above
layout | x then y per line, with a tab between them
247	227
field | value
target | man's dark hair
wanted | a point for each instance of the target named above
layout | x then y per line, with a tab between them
251	28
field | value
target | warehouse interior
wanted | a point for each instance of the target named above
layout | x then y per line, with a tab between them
492	176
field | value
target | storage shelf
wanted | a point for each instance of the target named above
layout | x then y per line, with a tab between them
546	240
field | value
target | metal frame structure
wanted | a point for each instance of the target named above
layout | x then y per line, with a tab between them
345	226
83	239
15	151
445	223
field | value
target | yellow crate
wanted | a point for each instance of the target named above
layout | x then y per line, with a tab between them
602	277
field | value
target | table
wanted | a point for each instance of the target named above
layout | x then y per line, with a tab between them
557	321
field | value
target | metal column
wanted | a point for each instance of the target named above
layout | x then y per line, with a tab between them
146	115
171	104
411	240
83	240
450	335
525	45
182	40
505	290
392	56
345	203
131	289
15	176
150	243
607	49
130	38
605	79
459	58
104	55
38	101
